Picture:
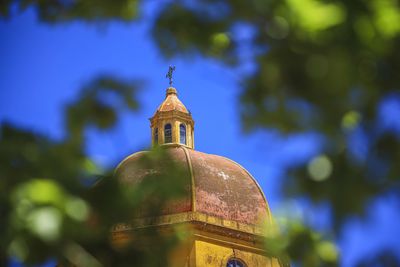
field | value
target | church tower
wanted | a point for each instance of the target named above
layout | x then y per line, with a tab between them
224	209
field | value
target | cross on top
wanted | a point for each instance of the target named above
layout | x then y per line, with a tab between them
171	69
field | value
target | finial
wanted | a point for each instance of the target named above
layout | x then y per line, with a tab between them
171	69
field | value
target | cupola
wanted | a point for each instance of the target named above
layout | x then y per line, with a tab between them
172	123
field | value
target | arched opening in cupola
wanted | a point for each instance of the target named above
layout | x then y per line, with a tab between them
168	133
182	133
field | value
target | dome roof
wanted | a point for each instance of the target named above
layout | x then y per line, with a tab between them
172	102
216	186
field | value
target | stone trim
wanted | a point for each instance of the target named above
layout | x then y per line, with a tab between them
194	217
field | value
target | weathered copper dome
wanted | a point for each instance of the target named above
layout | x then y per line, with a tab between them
217	187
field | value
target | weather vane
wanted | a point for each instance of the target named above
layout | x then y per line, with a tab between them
171	70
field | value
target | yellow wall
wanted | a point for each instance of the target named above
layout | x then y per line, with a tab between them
215	255
204	249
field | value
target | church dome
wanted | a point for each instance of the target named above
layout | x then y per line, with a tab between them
218	192
211	207
216	186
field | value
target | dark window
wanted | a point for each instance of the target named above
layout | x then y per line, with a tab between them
167	133
235	263
182	132
156	136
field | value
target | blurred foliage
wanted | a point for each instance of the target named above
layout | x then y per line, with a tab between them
297	244
94	108
47	211
56	11
320	65
206	30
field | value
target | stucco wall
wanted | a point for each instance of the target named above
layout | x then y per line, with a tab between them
215	255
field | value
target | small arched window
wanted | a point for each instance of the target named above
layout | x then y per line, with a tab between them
182	133
156	136
167	133
235	263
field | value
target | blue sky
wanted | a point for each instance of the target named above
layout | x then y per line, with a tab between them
42	68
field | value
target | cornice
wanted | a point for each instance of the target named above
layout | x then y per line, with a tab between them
206	221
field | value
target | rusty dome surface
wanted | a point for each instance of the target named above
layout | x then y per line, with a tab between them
172	102
225	189
131	171
216	186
